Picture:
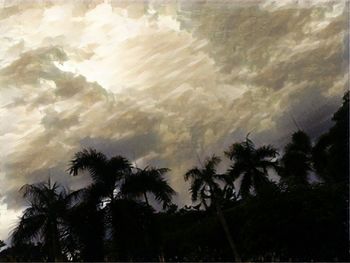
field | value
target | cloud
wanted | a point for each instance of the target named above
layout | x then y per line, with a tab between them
162	83
288	55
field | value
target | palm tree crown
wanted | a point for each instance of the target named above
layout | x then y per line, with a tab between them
296	161
149	180
205	184
251	164
106	173
205	180
45	218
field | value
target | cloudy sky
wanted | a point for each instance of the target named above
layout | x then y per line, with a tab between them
161	82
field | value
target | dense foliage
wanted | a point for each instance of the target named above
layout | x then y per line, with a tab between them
300	216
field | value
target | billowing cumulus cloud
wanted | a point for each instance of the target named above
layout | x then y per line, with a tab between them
160	82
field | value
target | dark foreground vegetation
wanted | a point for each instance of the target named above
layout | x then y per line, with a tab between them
302	217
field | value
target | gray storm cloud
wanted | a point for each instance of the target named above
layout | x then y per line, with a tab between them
160	82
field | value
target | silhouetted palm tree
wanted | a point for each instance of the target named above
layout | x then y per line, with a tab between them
205	185
45	218
148	180
331	152
107	175
252	164
296	160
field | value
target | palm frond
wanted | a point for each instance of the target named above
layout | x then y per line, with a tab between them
163	192
211	163
149	179
193	174
74	197
226	178
246	184
90	160
236	170
119	165
29	228
267	151
195	189
236	151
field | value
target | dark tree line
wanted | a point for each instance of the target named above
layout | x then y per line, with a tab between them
300	216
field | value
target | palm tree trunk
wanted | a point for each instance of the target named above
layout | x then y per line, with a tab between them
56	244
228	234
146	199
50	241
53	250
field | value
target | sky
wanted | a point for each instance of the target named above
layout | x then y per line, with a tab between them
165	83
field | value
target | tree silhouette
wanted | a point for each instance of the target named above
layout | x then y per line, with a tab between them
148	180
45	218
107	174
331	152
296	162
252	164
205	185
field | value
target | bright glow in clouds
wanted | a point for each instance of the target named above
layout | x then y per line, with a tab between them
159	82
